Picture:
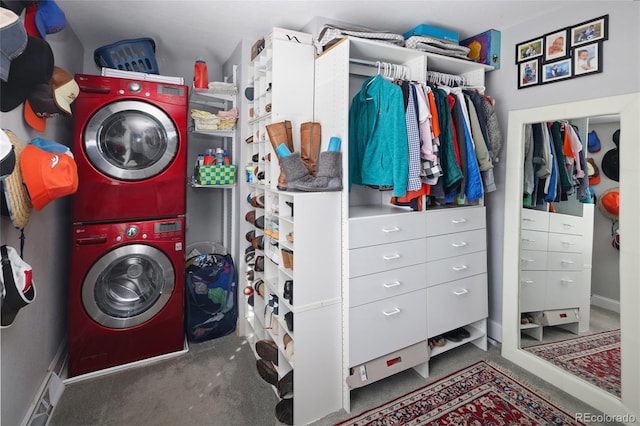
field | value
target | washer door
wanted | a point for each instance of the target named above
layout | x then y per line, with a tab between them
131	140
128	286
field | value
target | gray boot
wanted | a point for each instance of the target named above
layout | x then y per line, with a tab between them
329	177
295	170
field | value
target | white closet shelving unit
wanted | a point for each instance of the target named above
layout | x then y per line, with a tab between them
390	304
282	76
214	102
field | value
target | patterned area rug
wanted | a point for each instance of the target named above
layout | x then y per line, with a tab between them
595	358
481	394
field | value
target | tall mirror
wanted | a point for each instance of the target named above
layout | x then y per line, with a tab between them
570	292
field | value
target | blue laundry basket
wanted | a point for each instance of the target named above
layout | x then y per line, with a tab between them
128	55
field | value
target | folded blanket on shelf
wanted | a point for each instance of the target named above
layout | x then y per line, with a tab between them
330	34
432	45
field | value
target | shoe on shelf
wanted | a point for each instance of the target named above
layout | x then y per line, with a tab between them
284	411
267	371
290	237
457	335
250	216
267	350
285	385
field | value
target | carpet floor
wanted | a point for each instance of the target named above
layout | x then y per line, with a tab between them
216	383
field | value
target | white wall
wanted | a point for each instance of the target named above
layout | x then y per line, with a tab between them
30	344
620	75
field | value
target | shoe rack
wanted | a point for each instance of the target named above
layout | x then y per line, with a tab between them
293	239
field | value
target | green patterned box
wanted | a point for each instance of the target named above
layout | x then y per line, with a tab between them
217	175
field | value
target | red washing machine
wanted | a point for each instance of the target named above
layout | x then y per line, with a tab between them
126	299
130	145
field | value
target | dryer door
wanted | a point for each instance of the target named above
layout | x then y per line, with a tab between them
128	286
131	140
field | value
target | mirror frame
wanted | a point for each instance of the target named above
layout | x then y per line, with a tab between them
628	108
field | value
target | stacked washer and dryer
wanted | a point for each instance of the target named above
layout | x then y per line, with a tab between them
127	261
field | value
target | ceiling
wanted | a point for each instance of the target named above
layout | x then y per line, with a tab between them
211	29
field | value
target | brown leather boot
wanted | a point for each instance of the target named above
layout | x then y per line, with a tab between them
281	133
310	140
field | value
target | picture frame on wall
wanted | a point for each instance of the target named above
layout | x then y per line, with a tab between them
529	73
556	45
590	31
587	59
529	50
558	70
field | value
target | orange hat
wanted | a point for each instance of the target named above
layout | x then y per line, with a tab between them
609	203
47	175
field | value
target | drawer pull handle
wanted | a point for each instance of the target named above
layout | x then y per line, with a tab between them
391	257
568	225
526	281
391	284
567	243
387	230
566	281
392	312
460	244
459	268
456	221
529	240
568	262
461	292
528	219
527	260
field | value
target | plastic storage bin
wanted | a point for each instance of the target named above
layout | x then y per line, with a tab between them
128	55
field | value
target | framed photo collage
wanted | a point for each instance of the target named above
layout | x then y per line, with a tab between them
562	54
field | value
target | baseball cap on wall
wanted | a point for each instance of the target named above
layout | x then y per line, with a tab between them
13	40
51	99
34	66
47	175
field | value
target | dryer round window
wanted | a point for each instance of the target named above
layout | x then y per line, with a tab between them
131	140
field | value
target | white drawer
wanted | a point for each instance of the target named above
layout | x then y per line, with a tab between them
458	219
533	289
455	268
565	223
535	220
369	231
564	289
533	240
559	261
369	288
455	304
566	243
532	260
450	245
370	260
381	327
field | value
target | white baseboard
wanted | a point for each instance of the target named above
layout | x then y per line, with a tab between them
49	392
605	303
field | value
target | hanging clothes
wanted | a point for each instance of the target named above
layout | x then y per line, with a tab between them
482	153
378	136
452	173
414	183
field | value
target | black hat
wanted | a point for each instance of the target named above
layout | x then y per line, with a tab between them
34	66
616	138
610	164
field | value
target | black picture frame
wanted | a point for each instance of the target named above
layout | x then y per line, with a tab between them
556	71
530	49
529	73
590	31
592	59
556	45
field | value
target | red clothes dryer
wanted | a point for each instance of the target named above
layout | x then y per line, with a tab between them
130	146
126	298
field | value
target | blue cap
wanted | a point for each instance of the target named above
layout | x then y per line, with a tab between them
593	142
49	18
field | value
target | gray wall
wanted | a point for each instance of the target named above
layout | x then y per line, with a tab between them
620	75
31	343
605	273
